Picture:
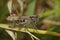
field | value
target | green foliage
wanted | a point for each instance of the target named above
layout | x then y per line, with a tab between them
3	10
49	13
31	8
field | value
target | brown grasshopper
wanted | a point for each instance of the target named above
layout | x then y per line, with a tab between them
23	20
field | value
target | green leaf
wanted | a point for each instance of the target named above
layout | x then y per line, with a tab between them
31	8
50	12
3	12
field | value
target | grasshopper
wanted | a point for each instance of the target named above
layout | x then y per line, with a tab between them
23	20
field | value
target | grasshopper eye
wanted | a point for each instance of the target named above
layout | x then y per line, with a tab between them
23	20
